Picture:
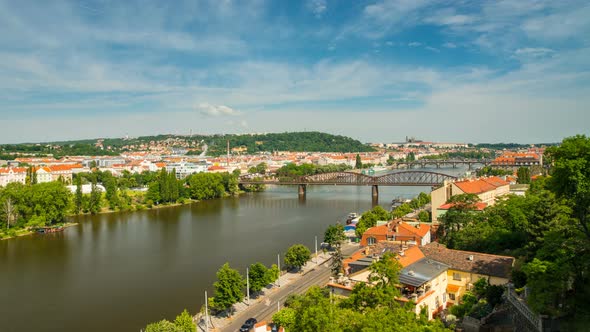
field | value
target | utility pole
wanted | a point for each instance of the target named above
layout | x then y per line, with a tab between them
316	250
248	284
206	313
279	266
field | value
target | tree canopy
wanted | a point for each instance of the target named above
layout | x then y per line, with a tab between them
297	255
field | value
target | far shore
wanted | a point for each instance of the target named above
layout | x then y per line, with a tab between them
29	231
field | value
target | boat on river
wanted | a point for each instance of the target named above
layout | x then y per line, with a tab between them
49	229
351	216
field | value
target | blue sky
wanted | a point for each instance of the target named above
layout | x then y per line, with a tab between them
476	71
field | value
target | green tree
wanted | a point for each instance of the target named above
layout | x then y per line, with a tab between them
424	216
358	164
9	211
273	273
571	175
336	262
184	322
206	186
334	235
163	181
112	194
161	326
95	199
173	186
78	199
523	175
296	256
259	277
228	288
385	271
153	193
285	317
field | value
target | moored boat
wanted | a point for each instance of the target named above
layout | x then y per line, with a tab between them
49	229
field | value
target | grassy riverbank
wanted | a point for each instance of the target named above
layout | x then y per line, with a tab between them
29	231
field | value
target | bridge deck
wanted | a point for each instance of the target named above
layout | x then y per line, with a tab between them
406	178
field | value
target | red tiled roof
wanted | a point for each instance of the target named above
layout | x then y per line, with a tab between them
420	231
410	256
474	186
495	181
479	206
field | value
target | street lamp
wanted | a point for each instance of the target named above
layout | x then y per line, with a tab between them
279	266
316	250
248	284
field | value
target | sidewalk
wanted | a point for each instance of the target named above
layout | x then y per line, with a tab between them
286	279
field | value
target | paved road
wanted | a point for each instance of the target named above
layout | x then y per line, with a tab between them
264	309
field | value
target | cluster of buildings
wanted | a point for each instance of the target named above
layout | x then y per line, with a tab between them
433	277
49	169
487	190
530	157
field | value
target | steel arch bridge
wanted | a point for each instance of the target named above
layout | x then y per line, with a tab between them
405	178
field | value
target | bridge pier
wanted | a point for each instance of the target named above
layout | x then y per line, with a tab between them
302	190
375	192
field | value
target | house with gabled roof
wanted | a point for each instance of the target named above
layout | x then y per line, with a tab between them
487	189
466	267
398	231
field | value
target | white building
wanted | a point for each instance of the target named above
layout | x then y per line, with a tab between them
12	174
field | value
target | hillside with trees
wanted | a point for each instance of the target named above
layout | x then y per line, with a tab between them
217	144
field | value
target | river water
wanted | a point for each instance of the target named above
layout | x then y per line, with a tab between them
120	271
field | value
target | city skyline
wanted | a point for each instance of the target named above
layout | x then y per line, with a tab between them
377	71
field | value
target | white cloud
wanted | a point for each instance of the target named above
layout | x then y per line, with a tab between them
432	49
533	51
449	45
317	7
215	110
414	44
448	16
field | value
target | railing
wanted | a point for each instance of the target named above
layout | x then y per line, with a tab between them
407	178
523	309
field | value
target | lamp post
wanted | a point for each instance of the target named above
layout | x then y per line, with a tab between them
206	313
316	250
279	266
248	284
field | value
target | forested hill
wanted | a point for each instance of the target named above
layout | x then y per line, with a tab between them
217	144
296	141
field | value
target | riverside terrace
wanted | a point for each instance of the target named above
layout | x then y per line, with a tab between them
406	178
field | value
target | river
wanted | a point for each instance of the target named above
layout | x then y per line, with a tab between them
120	271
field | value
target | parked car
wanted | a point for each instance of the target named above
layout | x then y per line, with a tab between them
248	324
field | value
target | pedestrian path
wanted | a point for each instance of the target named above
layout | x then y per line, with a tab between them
264	300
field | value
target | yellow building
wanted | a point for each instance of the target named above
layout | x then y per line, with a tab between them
466	267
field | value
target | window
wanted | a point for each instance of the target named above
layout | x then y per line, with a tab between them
445	297
371	240
457	276
452	296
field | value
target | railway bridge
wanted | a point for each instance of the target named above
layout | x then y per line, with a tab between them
404	178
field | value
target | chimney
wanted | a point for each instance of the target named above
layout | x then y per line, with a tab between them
471	257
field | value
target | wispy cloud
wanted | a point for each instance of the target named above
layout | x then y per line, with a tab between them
207	109
317	7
